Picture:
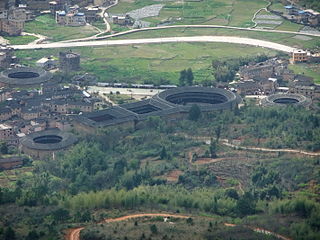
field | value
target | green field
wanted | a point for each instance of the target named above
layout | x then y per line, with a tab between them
219	12
282	38
20	39
157	63
223	12
46	25
311	70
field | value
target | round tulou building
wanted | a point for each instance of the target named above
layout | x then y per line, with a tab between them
24	77
208	99
283	100
44	144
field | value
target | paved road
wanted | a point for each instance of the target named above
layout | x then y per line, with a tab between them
224	39
126	91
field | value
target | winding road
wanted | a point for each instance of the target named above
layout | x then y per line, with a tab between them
226	142
74	233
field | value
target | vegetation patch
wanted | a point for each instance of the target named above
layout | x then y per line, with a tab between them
47	26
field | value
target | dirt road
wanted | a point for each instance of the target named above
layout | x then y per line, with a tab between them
227	143
74	233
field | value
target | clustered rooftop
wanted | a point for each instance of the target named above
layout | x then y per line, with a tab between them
172	102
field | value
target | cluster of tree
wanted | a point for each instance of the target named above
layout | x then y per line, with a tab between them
314	4
169	197
308	210
186	77
283	127
225	70
106	170
201	178
278	127
194	112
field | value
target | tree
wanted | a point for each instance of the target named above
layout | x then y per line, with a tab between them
154	229
9	234
4	148
217	131
194	113
183	78
213	148
189	77
190	221
163	153
60	215
32	235
232	193
246	205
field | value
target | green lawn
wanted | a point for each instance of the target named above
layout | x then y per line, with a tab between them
311	70
46	25
19	40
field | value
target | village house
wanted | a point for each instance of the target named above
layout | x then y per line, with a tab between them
122	20
12	20
47	63
254	87
69	61
5	113
304	85
4	95
267	69
248	87
67	106
91	14
30	113
303	16
6	57
6	132
57	5
299	56
72	17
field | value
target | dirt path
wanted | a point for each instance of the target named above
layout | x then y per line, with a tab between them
261	230
226	143
257	12
109	220
74	233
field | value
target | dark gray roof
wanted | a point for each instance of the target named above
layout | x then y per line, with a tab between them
283	100
37	76
68	139
208	99
106	117
5	110
161	105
